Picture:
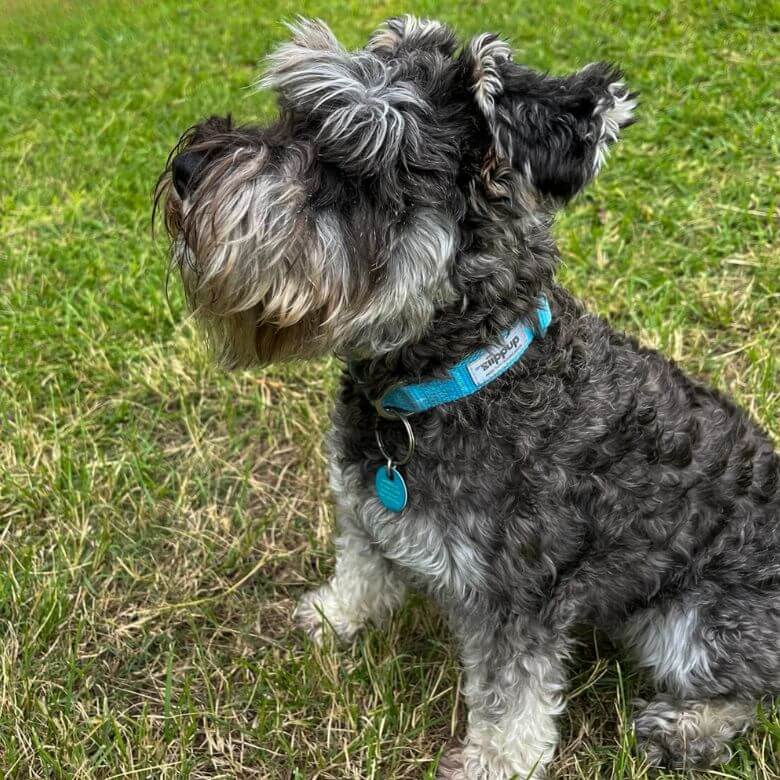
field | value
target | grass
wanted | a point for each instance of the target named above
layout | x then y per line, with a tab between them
158	519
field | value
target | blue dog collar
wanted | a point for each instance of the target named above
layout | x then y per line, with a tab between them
465	378
471	374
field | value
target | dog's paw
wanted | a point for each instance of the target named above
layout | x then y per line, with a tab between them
451	766
309	615
469	762
320	612
308	618
667	747
688	735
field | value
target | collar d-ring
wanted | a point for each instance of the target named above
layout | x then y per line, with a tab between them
407	456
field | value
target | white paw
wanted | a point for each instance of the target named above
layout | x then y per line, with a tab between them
451	765
469	762
320	611
308	616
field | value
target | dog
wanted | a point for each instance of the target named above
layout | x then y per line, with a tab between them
493	444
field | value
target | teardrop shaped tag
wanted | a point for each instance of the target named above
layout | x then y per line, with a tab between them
390	488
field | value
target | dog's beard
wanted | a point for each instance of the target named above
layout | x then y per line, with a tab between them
262	275
277	317
270	277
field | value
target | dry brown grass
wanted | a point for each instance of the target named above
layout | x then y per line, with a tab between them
159	519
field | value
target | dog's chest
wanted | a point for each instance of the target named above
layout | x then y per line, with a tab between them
459	484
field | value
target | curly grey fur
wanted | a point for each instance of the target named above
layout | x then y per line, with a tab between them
400	212
690	734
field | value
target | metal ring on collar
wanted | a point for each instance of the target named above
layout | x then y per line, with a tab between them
388	413
410	442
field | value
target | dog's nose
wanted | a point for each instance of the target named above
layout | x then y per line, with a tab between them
185	168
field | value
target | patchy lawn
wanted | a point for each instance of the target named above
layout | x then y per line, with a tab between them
158	519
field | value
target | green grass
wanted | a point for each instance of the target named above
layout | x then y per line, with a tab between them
158	519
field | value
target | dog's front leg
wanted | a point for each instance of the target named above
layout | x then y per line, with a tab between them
365	587
513	690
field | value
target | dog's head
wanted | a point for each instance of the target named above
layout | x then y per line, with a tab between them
395	184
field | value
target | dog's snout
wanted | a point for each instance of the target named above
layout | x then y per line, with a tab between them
186	167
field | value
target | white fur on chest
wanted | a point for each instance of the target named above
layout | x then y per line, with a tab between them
439	557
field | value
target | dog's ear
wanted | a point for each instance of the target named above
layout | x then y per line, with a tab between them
554	131
364	117
405	34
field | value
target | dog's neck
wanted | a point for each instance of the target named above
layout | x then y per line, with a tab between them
507	260
455	333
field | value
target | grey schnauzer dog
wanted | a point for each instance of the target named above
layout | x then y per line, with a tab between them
398	213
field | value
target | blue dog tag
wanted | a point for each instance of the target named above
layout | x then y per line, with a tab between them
390	488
